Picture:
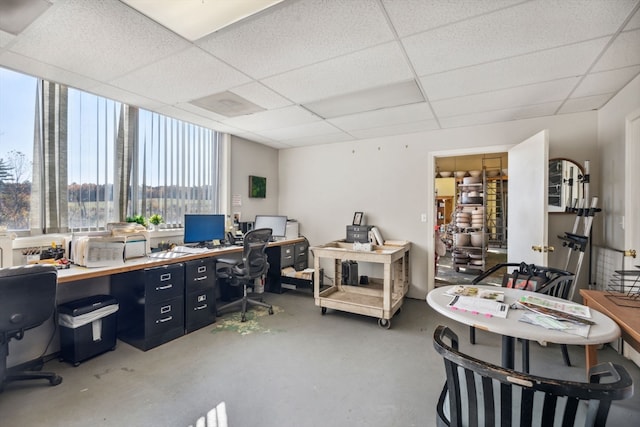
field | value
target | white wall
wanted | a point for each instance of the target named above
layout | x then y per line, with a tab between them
611	142
250	158
391	179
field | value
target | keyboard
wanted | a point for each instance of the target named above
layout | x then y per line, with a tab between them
189	250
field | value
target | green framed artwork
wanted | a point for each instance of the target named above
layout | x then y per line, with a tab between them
257	187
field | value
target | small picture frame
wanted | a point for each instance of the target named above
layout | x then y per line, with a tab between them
357	218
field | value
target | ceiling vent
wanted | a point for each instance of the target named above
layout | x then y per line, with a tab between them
227	104
16	15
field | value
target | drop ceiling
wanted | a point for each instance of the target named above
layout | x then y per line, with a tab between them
302	72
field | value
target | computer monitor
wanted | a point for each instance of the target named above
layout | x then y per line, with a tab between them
277	224
203	228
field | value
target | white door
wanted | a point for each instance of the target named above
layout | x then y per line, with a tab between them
632	199
527	200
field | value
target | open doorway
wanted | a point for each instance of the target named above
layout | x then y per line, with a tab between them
471	218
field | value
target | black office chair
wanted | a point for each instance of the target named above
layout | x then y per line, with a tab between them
243	271
480	393
549	281
27	300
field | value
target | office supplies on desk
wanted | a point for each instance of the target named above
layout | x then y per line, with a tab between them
189	250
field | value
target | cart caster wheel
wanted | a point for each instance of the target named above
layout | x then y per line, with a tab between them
323	310
457	269
55	380
270	311
384	323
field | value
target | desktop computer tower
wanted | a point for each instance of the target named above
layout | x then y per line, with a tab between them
349	273
246	226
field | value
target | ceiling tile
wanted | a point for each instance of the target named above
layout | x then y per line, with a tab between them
5	38
528	27
374	67
577	105
261	95
384	117
130	98
43	70
556	90
411	16
634	23
605	82
403	93
107	39
194	109
299	33
201	75
397	129
318	139
547	109
522	70
273	119
624	51
300	131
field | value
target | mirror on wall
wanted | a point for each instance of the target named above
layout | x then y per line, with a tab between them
566	184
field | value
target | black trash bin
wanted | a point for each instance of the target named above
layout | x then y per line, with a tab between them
87	327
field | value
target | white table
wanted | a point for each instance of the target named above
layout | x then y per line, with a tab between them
605	330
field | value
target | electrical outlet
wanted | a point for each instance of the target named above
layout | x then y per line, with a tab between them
423	217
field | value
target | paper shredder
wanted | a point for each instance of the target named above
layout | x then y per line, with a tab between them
87	327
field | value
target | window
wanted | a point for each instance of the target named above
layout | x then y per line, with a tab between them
70	160
17	112
92	124
177	170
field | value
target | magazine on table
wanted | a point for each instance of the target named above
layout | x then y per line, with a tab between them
559	310
481	306
473	291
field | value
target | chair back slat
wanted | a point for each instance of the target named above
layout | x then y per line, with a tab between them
521	398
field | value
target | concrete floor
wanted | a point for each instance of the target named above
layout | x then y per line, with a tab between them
295	368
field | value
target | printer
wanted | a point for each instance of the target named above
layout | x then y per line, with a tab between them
109	248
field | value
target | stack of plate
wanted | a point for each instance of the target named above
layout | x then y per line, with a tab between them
477	220
463	219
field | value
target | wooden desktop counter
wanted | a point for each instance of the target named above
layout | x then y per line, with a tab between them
78	273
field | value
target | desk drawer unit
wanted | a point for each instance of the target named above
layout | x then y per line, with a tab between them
287	256
200	293
300	256
358	233
151	305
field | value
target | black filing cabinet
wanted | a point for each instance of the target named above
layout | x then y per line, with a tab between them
200	293
151	305
282	256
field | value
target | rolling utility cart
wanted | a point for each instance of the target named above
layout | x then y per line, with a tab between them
380	298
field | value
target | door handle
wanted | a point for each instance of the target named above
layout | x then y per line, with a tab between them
538	248
630	252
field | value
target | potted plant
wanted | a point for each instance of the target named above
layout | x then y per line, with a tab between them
156	220
137	219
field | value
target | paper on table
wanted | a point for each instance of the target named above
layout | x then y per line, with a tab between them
565	307
475	305
558	325
472	291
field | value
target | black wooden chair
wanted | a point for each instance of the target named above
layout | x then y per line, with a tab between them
549	281
480	393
